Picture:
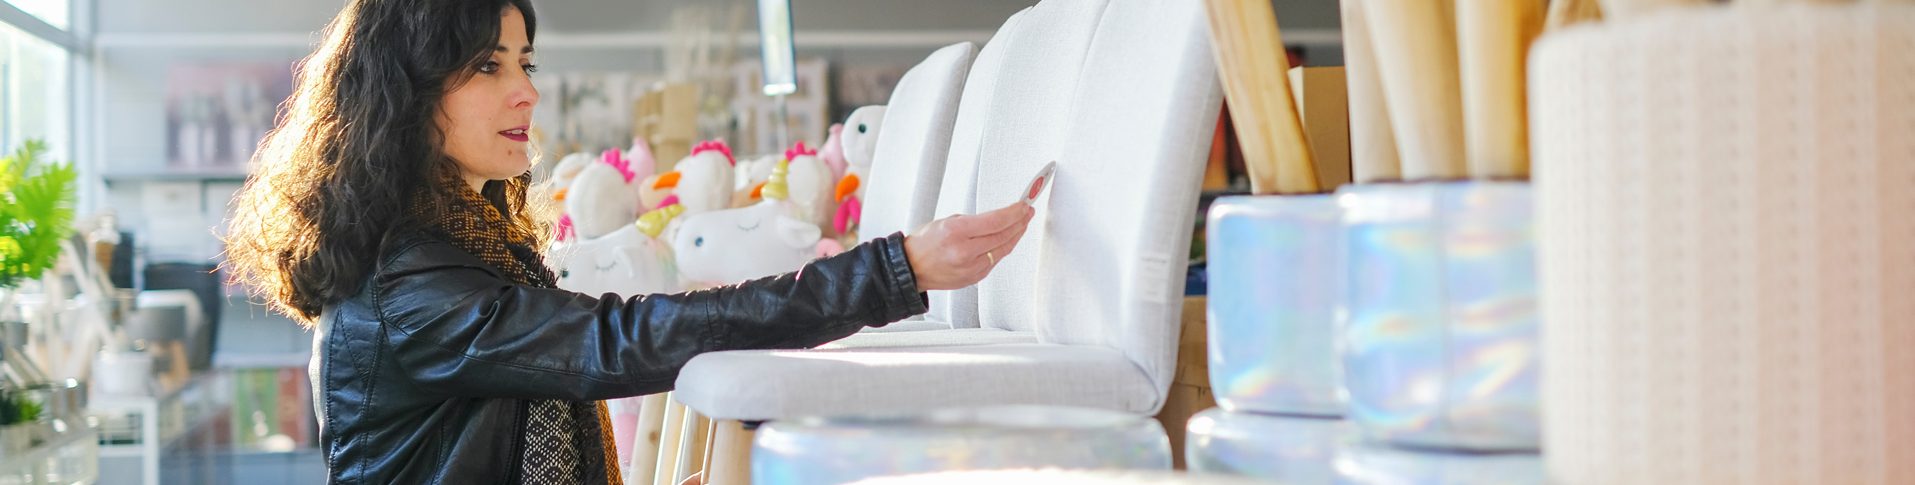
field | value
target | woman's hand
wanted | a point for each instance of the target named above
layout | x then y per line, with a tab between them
957	251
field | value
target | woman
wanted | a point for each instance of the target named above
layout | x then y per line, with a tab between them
389	213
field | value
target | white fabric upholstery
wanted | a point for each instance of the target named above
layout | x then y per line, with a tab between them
932	337
1028	116
909	325
1115	250
957	191
764	385
912	144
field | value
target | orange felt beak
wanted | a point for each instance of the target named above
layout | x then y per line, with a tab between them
560	195
667	180
847	186
758	191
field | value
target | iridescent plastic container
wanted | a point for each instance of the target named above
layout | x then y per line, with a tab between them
1284	449
1275	286
1369	464
1441	342
842	450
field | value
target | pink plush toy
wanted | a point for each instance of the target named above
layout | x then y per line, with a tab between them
833	151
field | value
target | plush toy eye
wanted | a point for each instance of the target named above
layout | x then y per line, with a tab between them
860	127
565	273
699	242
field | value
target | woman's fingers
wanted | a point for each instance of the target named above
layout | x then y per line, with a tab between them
958	251
989	222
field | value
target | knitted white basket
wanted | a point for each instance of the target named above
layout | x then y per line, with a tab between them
1726	200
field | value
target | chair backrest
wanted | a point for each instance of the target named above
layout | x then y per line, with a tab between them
1028	113
914	141
1124	202
957	191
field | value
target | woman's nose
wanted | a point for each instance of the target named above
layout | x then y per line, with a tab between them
524	94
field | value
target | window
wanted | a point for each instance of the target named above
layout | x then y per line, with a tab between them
34	93
57	13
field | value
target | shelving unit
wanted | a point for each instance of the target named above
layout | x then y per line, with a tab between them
208	175
70	457
152	428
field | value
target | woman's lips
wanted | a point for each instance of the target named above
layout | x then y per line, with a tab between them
515	134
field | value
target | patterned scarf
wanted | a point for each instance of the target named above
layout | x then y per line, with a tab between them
557	432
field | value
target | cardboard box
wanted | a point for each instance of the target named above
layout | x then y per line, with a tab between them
1324	103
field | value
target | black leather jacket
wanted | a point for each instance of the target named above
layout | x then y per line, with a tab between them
424	376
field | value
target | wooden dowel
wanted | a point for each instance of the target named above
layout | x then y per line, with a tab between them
1622	9
1564	13
1415	45
1254	68
1372	145
1493	38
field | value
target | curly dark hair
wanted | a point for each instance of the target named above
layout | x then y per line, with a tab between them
354	143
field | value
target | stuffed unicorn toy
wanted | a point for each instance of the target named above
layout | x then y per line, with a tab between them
734	245
859	145
607	252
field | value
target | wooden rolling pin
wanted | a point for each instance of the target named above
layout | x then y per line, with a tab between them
1254	67
1372	144
1493	38
1564	13
1415	43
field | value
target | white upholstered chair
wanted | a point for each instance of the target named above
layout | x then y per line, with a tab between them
1125	98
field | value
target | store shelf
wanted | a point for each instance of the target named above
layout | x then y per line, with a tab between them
70	457
227	174
148	428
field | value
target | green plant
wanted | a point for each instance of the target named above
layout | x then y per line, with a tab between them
15	408
36	212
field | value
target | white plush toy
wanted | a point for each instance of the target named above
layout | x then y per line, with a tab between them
735	245
859	143
625	262
568	169
605	250
752	175
703	180
809	185
602	197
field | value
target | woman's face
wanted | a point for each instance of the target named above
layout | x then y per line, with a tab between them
485	121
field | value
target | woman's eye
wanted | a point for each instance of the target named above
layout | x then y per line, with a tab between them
531	68
489	67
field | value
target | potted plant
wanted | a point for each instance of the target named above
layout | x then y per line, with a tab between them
36	213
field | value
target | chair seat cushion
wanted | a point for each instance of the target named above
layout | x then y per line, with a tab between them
932	337
754	385
909	326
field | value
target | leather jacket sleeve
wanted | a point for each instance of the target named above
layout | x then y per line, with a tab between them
458	328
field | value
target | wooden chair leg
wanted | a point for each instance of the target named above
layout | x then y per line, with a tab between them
691	451
711	443
668	443
731	455
651	427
